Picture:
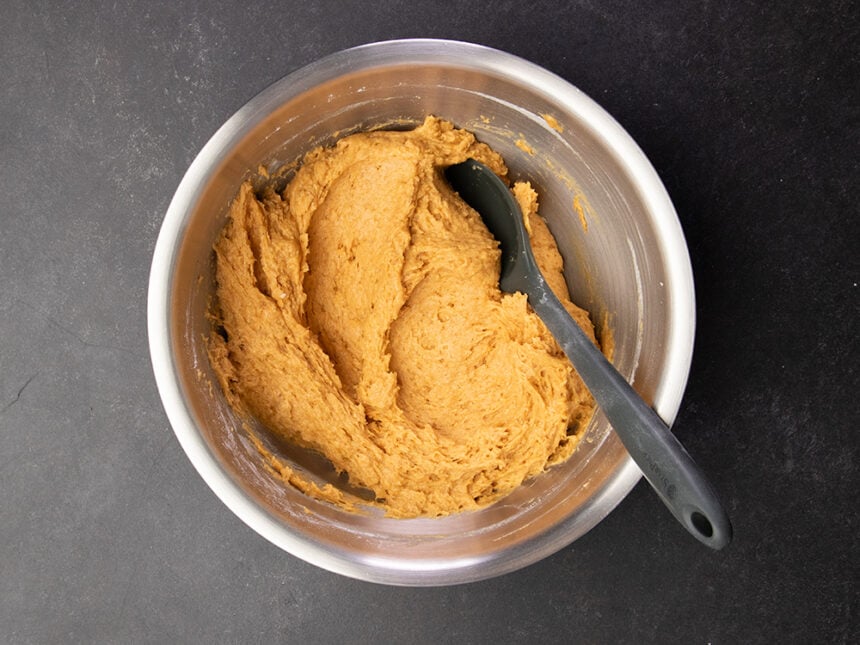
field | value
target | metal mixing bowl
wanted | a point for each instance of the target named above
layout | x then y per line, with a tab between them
625	257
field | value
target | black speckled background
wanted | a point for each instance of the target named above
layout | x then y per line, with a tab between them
749	111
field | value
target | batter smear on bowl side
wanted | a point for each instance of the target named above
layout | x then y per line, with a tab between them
358	314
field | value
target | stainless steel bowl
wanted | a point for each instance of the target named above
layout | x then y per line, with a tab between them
626	261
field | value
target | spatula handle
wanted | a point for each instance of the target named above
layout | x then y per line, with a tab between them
667	466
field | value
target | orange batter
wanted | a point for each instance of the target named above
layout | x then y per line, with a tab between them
362	318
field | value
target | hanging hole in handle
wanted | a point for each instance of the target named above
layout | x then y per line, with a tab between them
701	524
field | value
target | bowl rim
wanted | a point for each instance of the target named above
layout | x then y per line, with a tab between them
668	234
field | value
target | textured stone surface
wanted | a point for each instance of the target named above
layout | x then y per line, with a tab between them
748	111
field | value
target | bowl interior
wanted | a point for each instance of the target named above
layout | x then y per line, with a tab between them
624	261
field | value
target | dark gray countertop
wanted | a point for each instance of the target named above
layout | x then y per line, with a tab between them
748	111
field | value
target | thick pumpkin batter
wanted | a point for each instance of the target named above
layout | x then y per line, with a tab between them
359	315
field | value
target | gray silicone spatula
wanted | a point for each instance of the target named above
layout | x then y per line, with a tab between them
679	482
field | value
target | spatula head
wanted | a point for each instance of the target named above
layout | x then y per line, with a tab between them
482	189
